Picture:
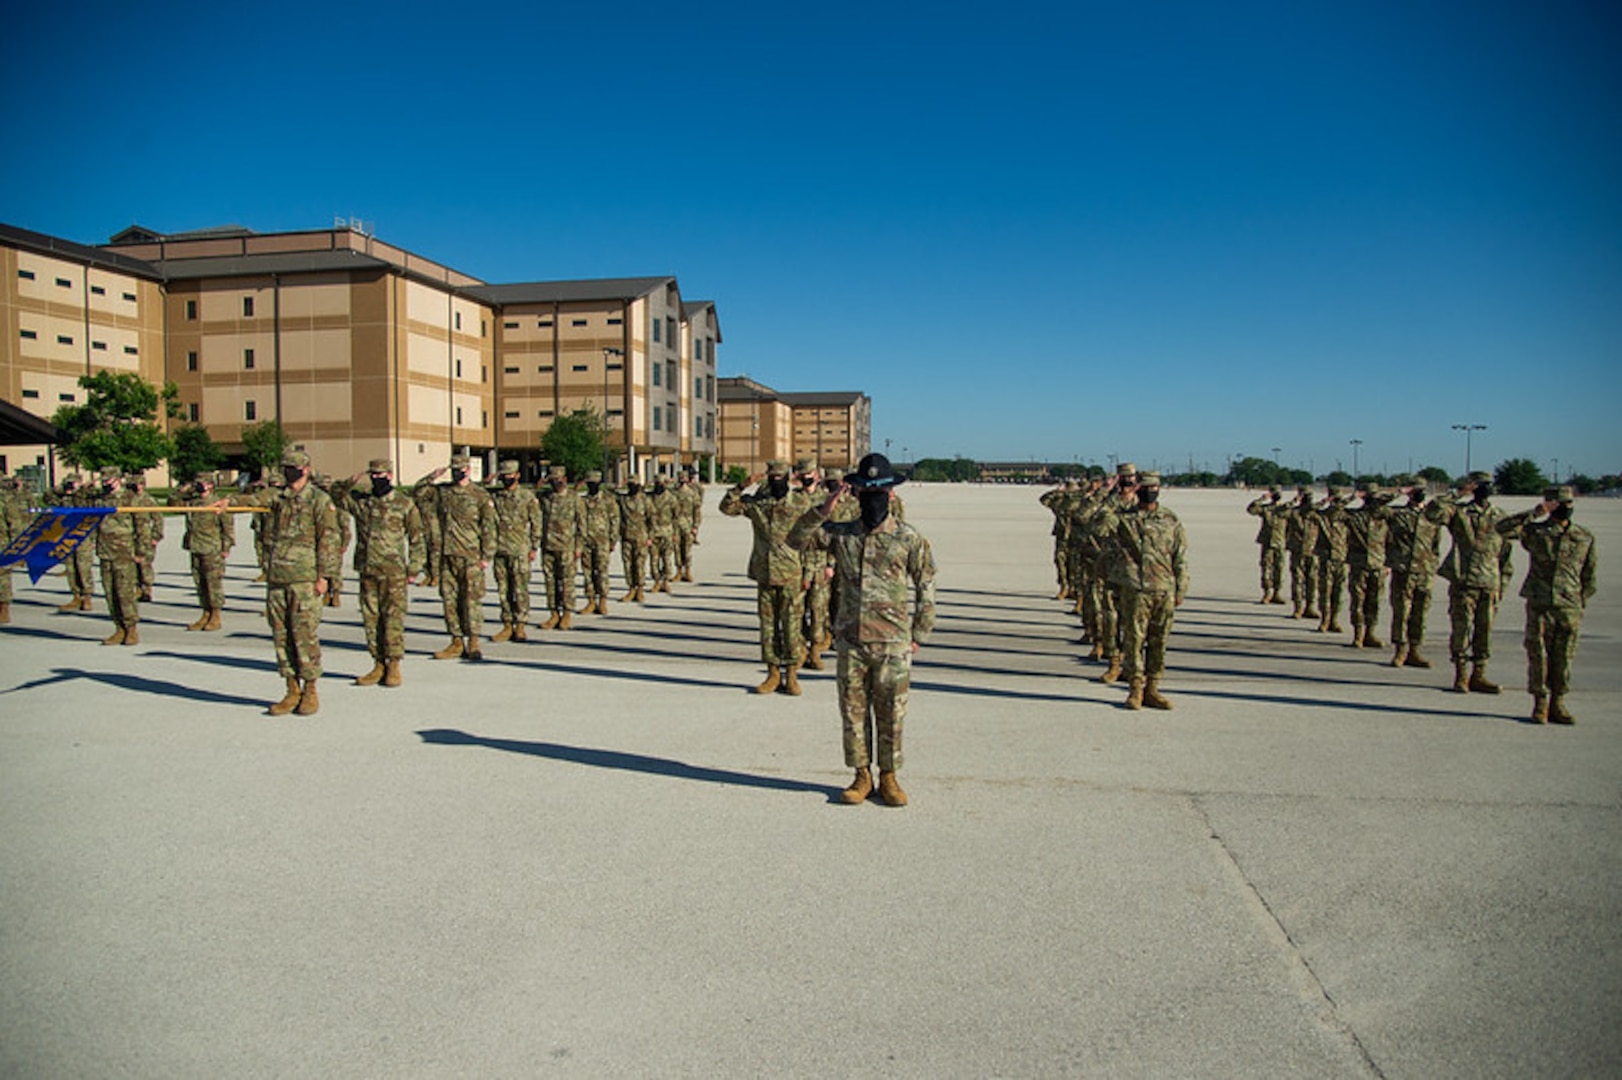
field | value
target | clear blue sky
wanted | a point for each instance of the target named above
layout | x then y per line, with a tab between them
1166	231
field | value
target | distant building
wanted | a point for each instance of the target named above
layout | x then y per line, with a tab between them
758	424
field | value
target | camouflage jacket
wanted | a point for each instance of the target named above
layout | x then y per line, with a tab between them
691	495
119	536
518	520
1413	544
1101	520
1301	530
1562	564
874	573
602	512
667	513
467	522
389	533
1479	557
208	534
636	517
425	493
1275	521
563	528
148	527
1057	502
1366	531
1152	551
300	531
1332	528
772	560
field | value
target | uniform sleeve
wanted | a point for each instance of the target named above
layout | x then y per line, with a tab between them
328	553
1589	574
1179	561
415	534
732	502
807	533
921	568
487	528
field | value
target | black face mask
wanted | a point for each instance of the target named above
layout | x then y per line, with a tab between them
1561	512
778	486
1148	496
509	482
1483	493
592	486
291	473
458	475
633	488
108	489
875	506
559	485
382	485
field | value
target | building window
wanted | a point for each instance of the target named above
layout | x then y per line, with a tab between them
616	321
709	389
709	427
458	368
544	413
670	335
101	345
131	350
191	310
247	307
28	335
510	415
459	416
543	368
64	339
509	371
458	320
698	386
193	412
130	297
64	397
484	373
484	418
97	290
250	410
616	366
656	329
580	367
509	326
191	361
26	275
577	322
658	418
482	328
247	359
657	368
542	324
698	427
671	381
30	393
64	283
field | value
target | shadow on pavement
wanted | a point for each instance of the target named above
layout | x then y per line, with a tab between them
615	759
160	687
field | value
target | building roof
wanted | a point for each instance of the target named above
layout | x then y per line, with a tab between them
548	292
689	308
831	397
289	262
140	234
79	253
18	427
742	388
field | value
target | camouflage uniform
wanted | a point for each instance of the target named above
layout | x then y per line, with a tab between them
602	514
1560	577
1270	535
336	492
1301	540
518	538
563	528
1057	502
1101	521
636	527
775	568
691	493
467	530
667	512
148	532
1152	568
209	538
118	544
1366	527
80	566
301	549
876	571
425	493
1331	556
14	521
389	552
816	572
1477	569
1412	548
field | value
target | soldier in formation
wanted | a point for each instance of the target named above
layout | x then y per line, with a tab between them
1477	569
518	540
1271	536
80	566
1151	566
602	516
14	521
1560	578
120	539
775	568
881	564
1058	503
636	538
389	554
467	530
209	538
1118	495
1413	547
150	535
1301	540
1331	558
563	529
816	575
1367	525
691	494
665	512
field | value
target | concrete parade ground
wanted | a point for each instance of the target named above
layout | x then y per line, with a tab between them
597	854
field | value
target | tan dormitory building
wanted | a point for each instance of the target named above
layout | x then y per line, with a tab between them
362	349
758	424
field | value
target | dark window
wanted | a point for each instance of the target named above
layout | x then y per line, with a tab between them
191	361
544	413
657	373
510	415
131	350
193	412
656	329
191	309
543	368
26	275
97	290
509	371
250	410
130	297
30	393
458	320
28	335
64	397
102	345
247	359
579	367
459	416
64	282
509	326
616	321
247	307
64	339
578	322
458	368
658	419
616	366
543	323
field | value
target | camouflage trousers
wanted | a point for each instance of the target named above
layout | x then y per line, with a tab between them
383	612
1410	600
1272	568
780	615
1303	580
662	558
461	588
81	570
559	580
1551	644
1146	621
121	587
1061	562
1363	595
631	561
817	595
512	586
684	551
431	546
144	571
294	613
1331	587
873	683
208	573
1111	624
594	561
1471	611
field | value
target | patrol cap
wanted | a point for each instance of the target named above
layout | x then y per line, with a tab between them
776	468
805	464
874	471
461	461
296	458
1561	493
380	465
1381	495
557	472
1126	469
507	468
1481	478
1149	479
594	476
111	472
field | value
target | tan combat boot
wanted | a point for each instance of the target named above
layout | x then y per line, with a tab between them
813	658
1277	599
391	673
1540	708
1414	659
1399	654
87	602
551	623
473	652
1097	651
309	703
451	651
115	638
889	791
260	580
602	605
773	681
1335	627
1478	680
520	632
1357	637
566	620
71	605
504	633
641	597
1114	672
1323	624
1295	612
132	635
201	623
1371	640
791	683
1310	612
1134	696
1152	697
288	703
213	619
859	789
373	677
1461	676
5	612
630	595
1557	711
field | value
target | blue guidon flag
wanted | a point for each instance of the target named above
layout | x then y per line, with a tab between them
52	537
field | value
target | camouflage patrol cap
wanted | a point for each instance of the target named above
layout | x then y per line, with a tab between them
1561	493
111	472
805	464
1126	469
594	476
508	468
776	468
1481	477
296	458
461	461
1381	495
1149	479
380	465
558	472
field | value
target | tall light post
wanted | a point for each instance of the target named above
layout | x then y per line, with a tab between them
1276	450
1355	444
1468	429
607	352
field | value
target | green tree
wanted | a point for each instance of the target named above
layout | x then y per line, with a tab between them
117	424
1435	474
575	441
264	443
1339	478
1519	476
956	469
735	475
195	451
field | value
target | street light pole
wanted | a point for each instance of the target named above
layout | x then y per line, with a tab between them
1355	444
1468	430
